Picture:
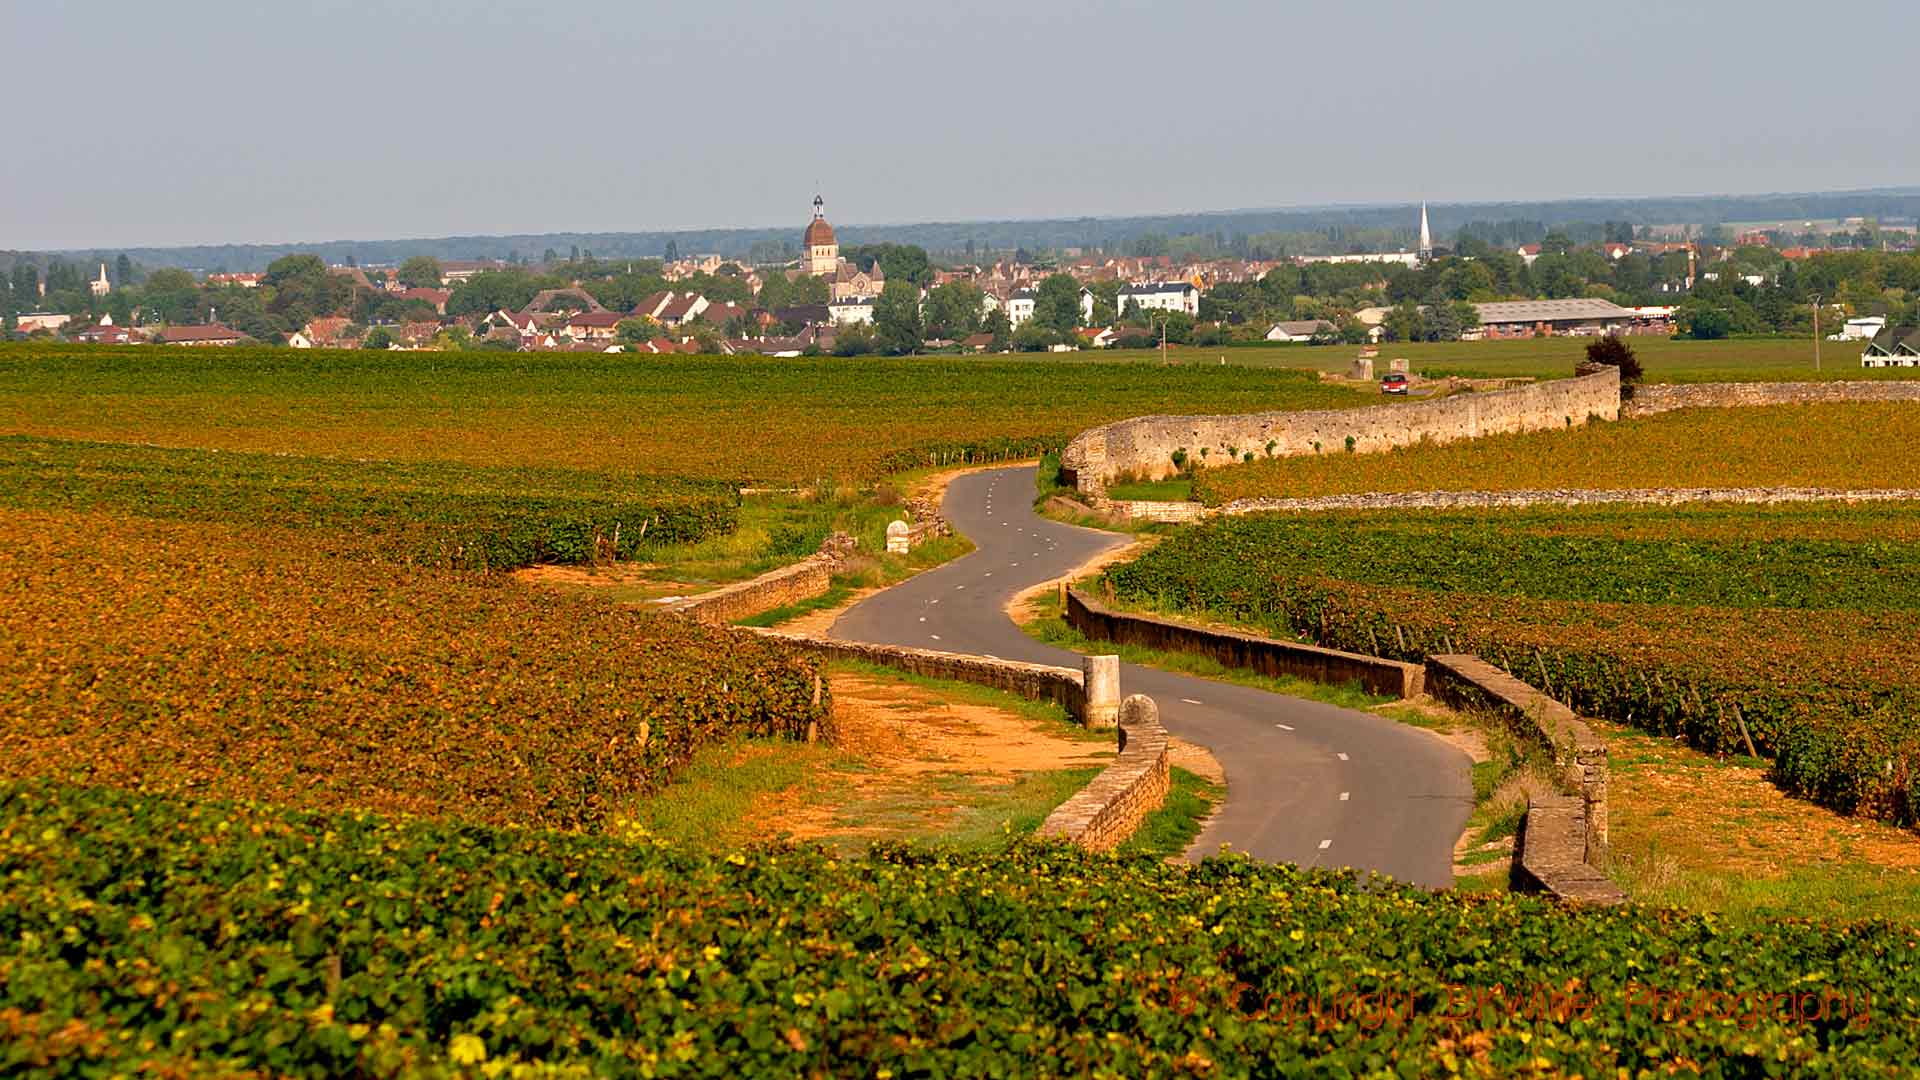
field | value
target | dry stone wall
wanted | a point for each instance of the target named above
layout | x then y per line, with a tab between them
1665	397
1267	656
1108	811
1144	446
804	580
1064	687
1479	500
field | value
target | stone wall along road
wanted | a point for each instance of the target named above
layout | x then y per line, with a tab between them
1144	446
1108	811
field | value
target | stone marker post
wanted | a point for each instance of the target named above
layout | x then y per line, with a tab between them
1103	690
897	533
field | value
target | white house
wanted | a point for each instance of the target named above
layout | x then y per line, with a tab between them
1863	328
853	309
42	320
1162	296
1300	331
1086	307
1020	307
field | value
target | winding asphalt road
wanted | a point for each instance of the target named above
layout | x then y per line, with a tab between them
1307	783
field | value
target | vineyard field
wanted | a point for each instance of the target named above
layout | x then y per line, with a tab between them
1666	360
1789	625
311	944
1840	446
222	660
750	420
426	512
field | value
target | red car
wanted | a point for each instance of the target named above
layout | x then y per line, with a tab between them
1395	383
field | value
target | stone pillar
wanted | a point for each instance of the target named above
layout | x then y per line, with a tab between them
898	538
1103	690
1594	770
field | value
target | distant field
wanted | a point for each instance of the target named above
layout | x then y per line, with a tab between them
757	420
1846	446
1665	360
423	512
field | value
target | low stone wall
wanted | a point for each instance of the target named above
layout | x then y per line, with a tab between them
1064	687
804	580
1108	810
1144	446
1649	400
1573	829
1552	855
1175	513
1478	500
1267	656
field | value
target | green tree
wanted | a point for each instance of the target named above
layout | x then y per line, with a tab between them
896	318
420	272
856	339
1032	337
123	271
298	289
493	290
1405	323
26	286
997	324
377	338
1056	304
897	261
953	310
636	331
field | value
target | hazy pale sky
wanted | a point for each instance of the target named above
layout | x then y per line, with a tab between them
206	121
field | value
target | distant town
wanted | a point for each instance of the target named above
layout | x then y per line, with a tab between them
1849	279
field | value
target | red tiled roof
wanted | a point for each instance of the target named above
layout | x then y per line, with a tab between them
597	319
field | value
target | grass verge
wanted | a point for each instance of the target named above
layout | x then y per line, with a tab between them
1169	831
1050	628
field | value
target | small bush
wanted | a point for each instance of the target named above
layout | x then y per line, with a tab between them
1613	352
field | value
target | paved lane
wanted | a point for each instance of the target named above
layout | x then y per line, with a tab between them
1306	782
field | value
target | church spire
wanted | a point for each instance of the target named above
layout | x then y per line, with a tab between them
1426	235
819	208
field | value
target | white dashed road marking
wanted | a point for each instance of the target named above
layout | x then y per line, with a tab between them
1344	794
935	637
1189	701
1284	727
1325	844
1342	757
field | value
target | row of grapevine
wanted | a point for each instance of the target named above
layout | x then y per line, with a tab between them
1800	647
430	513
260	663
1840	446
156	935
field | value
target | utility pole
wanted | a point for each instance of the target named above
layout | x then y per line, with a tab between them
1816	331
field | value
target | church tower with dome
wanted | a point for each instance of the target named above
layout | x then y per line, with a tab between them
822	255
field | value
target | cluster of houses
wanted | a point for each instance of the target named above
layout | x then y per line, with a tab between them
571	319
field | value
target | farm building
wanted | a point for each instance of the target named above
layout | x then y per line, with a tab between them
1896	346
1541	318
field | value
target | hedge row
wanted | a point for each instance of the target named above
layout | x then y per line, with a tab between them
1806	650
164	936
186	657
432	513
